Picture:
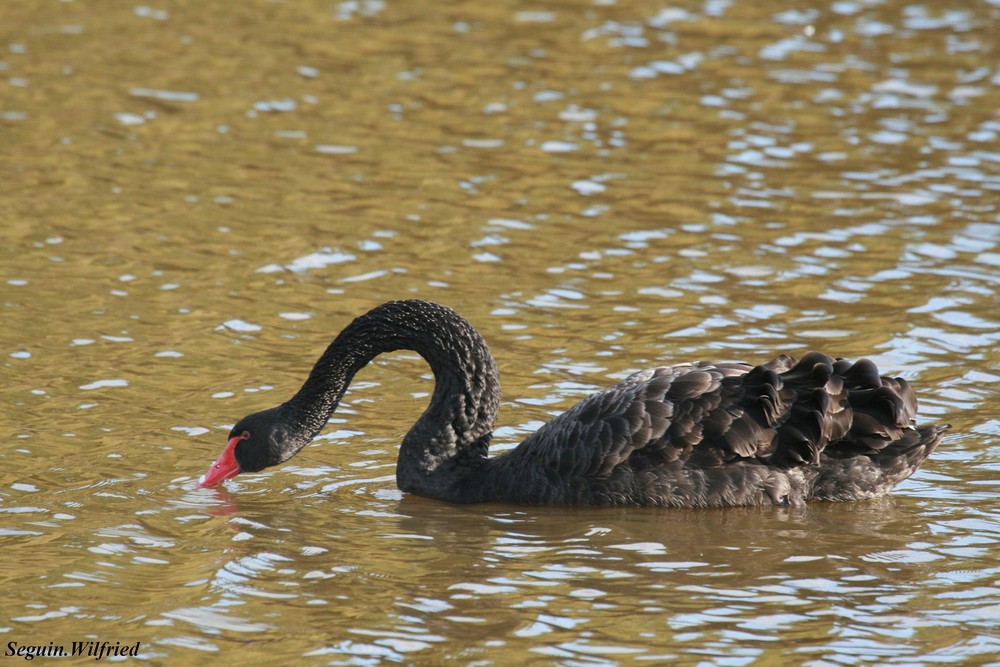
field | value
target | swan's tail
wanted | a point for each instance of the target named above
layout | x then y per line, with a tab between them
903	457
860	476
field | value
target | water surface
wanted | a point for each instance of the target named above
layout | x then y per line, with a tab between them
194	199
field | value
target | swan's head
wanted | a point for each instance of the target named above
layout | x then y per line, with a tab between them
256	442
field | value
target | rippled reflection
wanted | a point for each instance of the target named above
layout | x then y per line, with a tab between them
197	198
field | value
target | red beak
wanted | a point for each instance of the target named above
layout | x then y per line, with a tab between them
224	468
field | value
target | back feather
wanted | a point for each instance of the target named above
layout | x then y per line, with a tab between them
783	413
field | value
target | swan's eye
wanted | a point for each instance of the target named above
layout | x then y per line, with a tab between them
245	435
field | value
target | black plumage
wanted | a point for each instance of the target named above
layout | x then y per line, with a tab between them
699	434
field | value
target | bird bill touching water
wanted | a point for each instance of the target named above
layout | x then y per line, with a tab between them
704	434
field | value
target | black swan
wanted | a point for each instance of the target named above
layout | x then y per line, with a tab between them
705	434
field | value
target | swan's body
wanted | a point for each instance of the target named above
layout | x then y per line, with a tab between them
704	434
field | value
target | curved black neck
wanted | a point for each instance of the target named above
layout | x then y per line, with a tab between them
453	433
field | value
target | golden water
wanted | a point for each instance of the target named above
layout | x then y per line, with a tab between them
194	197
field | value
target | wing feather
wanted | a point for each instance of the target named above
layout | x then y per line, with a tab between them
784	413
